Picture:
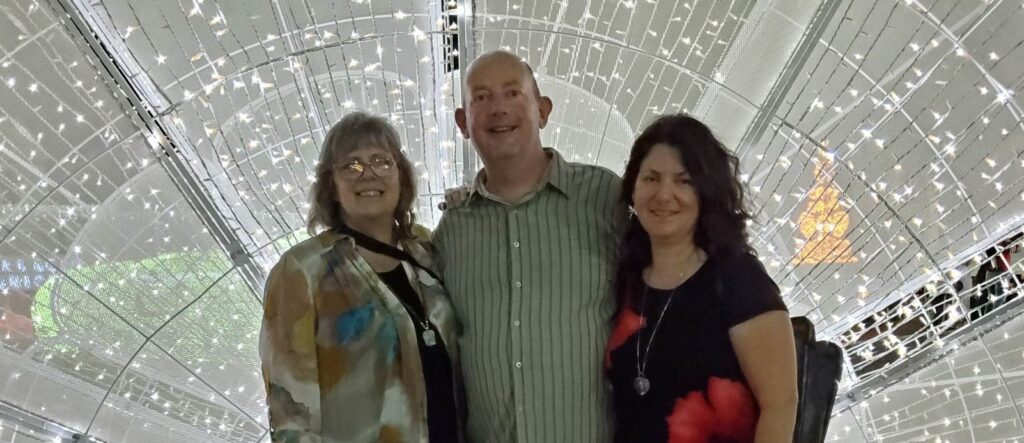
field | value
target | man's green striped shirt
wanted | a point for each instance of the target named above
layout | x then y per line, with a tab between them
530	283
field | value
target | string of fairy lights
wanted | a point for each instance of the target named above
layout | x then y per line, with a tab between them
886	186
916	221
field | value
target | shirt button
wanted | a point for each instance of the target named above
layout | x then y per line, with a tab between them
519	284
516	323
516	244
519	364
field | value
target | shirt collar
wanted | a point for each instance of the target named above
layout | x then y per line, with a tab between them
329	237
557	176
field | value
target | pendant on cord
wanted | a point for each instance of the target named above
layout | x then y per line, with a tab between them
429	338
642	385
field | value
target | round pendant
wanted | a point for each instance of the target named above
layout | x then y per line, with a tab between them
642	385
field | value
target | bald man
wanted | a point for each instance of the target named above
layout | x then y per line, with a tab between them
527	256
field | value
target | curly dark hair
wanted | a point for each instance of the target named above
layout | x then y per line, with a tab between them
721	229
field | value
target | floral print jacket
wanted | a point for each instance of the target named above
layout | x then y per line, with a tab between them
338	349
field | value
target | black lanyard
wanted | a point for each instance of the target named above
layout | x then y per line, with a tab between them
383	248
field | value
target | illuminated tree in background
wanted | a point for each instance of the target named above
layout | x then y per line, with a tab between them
824	221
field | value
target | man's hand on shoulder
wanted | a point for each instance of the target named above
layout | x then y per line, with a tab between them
454	197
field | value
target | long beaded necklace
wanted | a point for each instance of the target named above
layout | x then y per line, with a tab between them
641	383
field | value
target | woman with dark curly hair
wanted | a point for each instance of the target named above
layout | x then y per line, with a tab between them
702	349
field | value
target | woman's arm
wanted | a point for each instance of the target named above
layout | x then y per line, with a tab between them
288	354
767	354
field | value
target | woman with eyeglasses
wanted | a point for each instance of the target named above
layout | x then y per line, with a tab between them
358	340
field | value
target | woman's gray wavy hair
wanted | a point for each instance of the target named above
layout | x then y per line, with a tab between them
358	130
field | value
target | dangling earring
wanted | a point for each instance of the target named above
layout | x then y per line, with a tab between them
632	212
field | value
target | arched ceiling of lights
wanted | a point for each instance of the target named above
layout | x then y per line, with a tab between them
155	158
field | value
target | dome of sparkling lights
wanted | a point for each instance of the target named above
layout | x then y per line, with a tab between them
155	158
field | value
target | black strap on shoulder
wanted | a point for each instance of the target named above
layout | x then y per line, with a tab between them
383	248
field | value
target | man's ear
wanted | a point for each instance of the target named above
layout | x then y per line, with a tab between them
460	120
545	110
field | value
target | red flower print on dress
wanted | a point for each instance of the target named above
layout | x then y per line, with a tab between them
625	326
728	414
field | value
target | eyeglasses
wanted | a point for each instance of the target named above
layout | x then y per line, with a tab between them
381	166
